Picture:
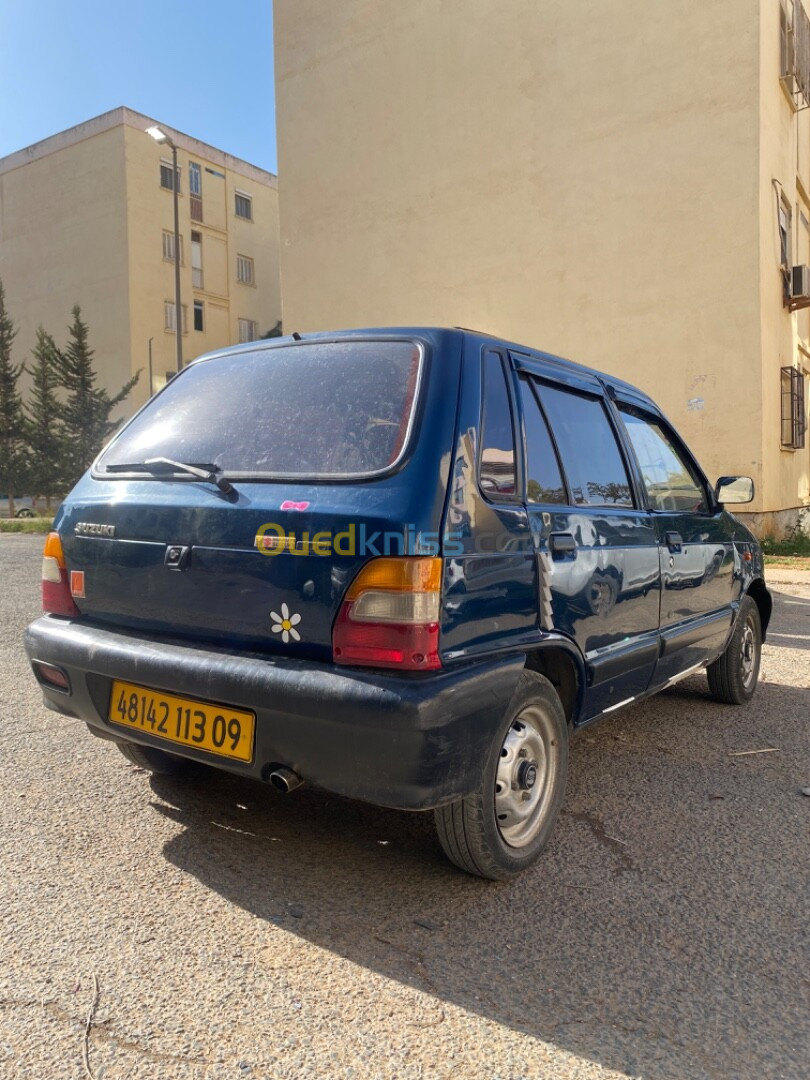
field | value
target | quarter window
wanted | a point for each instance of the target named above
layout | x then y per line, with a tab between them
590	454
497	467
670	479
544	482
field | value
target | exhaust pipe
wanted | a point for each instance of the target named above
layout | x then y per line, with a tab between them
285	780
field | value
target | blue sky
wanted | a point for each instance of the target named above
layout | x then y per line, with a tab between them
64	61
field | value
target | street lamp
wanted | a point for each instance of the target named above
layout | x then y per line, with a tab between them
161	137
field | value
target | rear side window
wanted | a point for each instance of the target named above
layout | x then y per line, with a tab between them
497	469
590	453
544	483
336	409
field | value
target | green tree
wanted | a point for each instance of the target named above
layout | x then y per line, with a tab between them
274	331
12	419
86	412
45	434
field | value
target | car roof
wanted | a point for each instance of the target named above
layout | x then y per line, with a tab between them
437	335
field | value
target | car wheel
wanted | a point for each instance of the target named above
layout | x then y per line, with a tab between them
733	676
154	760
500	829
25	513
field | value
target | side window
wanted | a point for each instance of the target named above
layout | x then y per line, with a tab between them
544	483
669	478
590	454
496	472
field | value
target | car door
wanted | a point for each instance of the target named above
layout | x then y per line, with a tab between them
699	583
597	553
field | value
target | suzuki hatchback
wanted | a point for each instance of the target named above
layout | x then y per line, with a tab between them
403	565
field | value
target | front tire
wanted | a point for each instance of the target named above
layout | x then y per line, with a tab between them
154	760
500	829
733	676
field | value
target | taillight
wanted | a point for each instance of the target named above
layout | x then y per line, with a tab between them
390	616
56	597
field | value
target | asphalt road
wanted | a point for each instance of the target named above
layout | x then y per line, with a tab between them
234	932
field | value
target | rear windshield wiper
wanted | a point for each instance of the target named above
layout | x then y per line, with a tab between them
209	474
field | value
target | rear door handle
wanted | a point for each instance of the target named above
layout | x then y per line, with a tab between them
560	544
674	541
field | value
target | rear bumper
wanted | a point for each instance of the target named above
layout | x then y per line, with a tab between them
406	742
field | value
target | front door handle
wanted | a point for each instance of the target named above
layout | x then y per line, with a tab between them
674	541
562	544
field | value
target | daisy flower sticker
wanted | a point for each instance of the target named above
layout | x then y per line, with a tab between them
285	624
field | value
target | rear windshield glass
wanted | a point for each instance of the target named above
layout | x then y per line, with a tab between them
336	409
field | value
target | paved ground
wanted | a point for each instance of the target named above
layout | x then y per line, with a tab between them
236	933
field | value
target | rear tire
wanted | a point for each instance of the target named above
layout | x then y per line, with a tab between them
733	676
500	830
154	760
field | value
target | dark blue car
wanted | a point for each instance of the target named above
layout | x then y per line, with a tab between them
401	564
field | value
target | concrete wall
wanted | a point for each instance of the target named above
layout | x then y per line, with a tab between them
225	300
51	259
784	171
580	175
82	217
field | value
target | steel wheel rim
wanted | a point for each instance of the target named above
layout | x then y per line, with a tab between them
748	654
526	776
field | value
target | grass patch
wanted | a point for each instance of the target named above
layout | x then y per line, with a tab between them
37	526
789	562
796	545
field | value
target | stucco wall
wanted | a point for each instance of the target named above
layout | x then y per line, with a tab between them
784	169
51	259
581	176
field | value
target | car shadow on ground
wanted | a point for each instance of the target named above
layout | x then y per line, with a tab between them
653	937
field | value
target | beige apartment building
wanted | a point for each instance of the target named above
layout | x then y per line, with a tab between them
623	183
86	217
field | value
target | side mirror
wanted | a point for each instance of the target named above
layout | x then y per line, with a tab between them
734	489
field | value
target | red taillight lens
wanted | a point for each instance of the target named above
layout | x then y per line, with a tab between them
56	598
390	616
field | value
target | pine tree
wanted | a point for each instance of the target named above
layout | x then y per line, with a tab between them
12	418
86	413
45	430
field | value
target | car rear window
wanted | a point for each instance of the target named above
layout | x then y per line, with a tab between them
335	409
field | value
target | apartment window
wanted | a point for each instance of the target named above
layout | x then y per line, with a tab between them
166	171
794	420
199	315
248	330
168	247
170	317
785	242
244	269
244	206
196	260
195	191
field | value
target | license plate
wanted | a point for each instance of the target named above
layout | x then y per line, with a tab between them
216	728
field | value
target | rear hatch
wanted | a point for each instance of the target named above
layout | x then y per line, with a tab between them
319	455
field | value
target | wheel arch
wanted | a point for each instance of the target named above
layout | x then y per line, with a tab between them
758	592
564	668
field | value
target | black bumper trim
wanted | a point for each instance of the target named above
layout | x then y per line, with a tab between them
407	742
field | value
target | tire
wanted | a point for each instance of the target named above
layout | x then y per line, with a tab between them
25	513
154	760
733	676
490	833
